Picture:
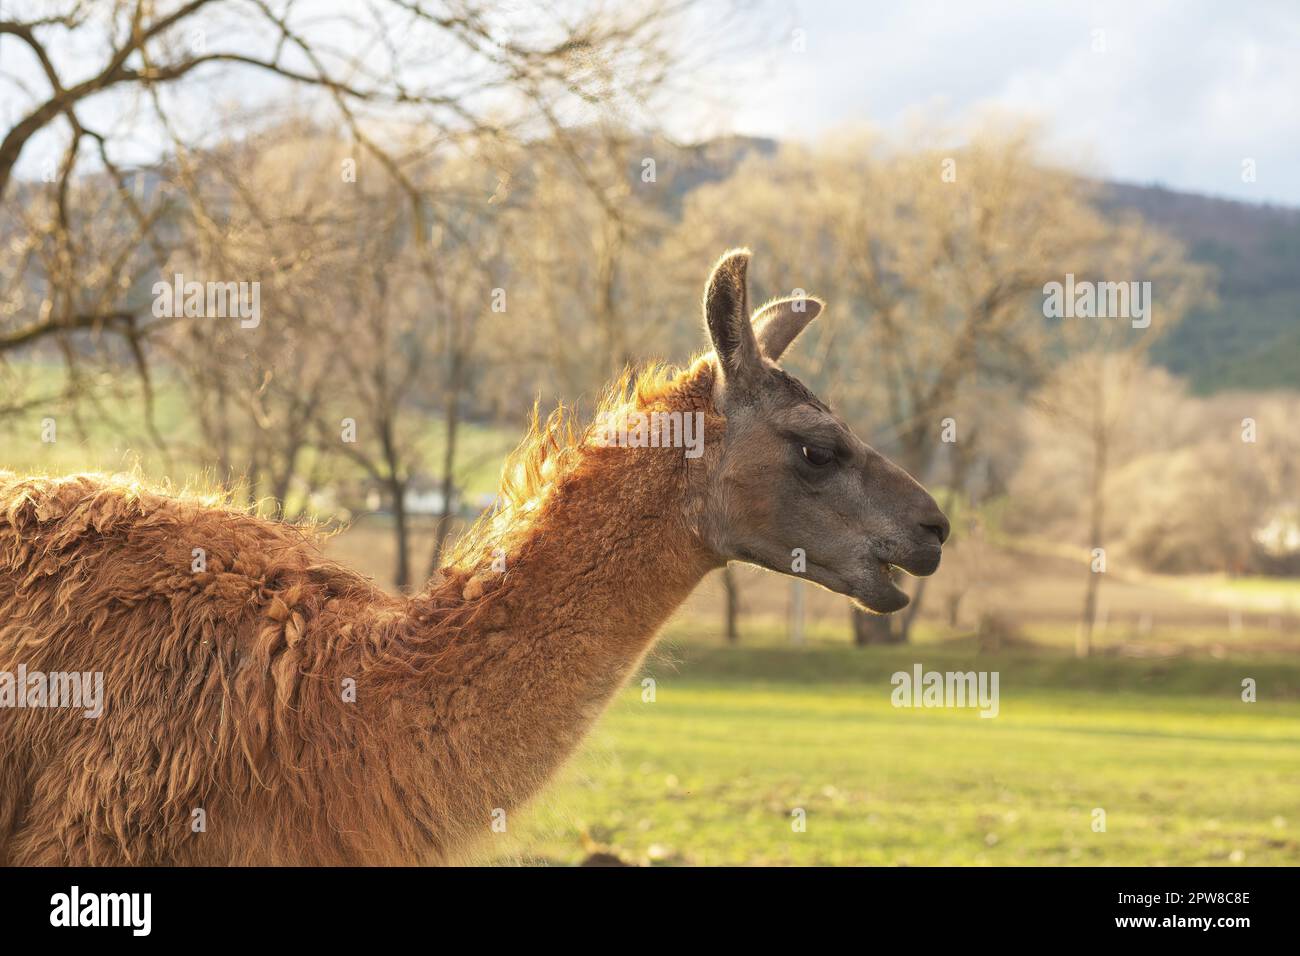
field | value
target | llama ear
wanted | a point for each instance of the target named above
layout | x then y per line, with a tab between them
779	323
726	313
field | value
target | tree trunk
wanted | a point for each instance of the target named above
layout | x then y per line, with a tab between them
732	631
796	612
1096	517
225	458
954	609
871	628
282	481
448	463
402	571
908	617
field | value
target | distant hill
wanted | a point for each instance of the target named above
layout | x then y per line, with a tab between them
1249	339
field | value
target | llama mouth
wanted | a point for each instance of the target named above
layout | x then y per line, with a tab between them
871	586
880	592
917	563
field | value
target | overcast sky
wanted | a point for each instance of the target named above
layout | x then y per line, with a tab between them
1177	92
1180	94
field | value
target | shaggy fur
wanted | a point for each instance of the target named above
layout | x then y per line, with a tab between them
224	689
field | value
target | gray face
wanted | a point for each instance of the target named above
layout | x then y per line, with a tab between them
792	475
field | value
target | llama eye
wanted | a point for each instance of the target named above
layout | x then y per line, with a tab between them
816	455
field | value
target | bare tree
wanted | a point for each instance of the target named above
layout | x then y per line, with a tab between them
456	71
1092	397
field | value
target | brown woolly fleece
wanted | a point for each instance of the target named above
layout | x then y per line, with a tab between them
226	690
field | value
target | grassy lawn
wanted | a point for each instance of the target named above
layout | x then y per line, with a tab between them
1280	595
736	739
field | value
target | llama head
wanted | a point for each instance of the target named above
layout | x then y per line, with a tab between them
792	489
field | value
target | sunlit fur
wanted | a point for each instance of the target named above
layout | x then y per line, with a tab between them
549	450
225	687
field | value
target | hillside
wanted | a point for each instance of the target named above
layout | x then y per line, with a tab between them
1250	338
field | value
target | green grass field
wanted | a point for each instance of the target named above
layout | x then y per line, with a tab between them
737	739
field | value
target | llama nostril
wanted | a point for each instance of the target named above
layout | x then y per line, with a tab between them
937	526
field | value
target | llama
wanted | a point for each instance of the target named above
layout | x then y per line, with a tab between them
267	706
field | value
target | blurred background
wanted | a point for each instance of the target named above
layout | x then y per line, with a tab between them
454	209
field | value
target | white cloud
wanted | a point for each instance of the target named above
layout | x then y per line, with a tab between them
1181	93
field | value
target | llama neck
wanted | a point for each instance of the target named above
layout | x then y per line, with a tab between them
611	554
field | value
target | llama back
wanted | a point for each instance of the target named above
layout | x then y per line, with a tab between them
197	617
